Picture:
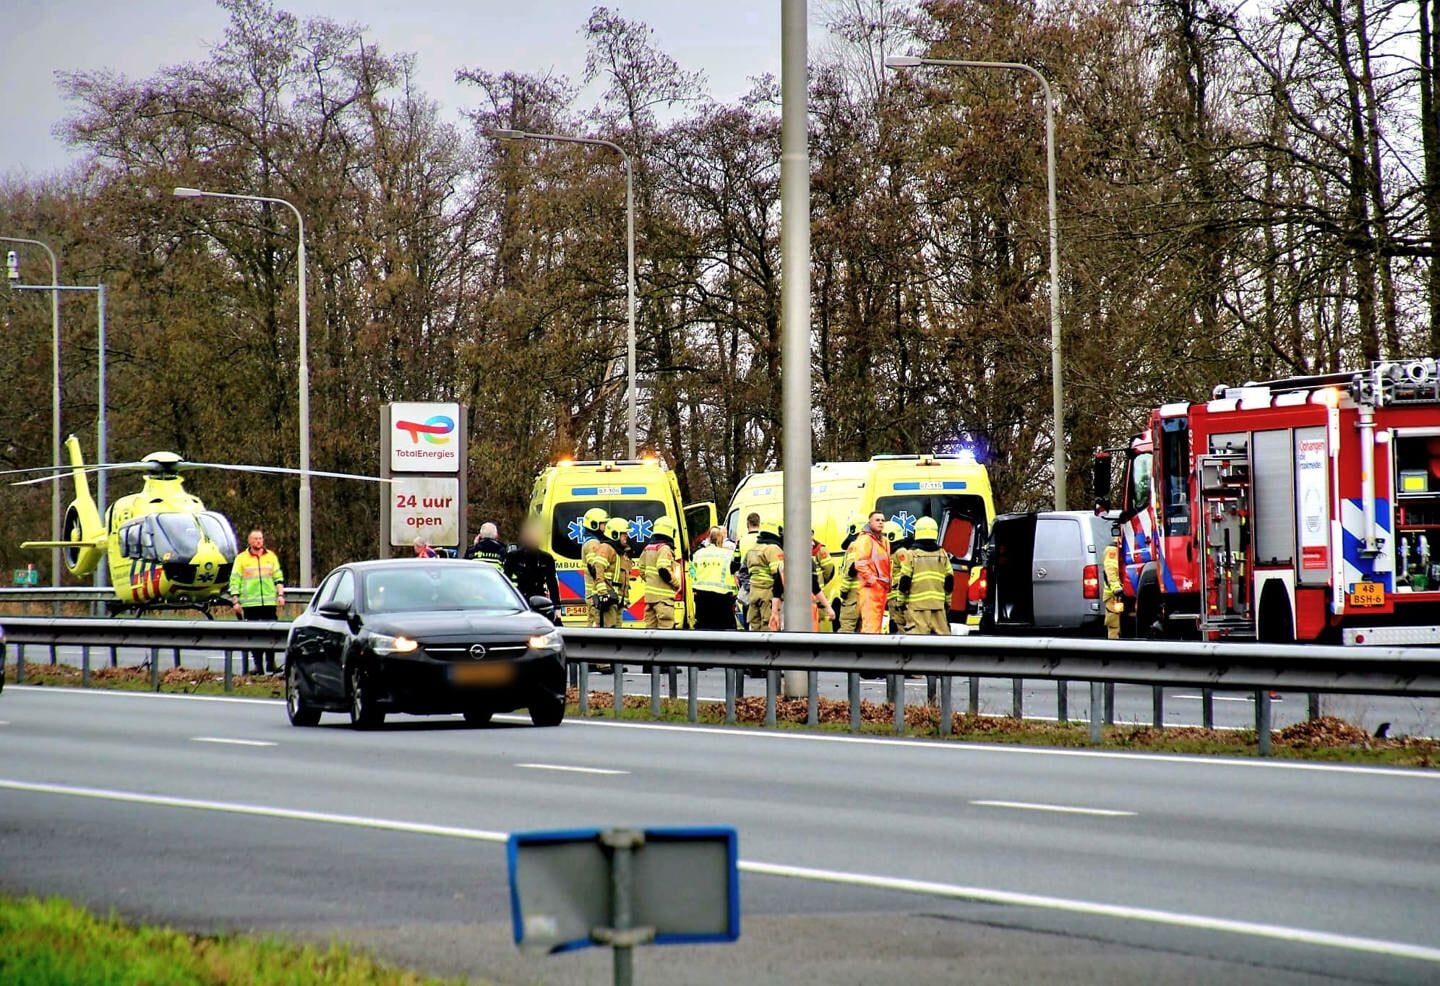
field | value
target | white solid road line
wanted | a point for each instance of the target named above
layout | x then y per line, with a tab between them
1198	922
572	770
231	742
1058	809
746	733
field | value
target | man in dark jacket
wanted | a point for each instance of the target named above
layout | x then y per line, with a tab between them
531	568
488	547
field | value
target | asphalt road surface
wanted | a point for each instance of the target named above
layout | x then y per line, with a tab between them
1133	703
865	859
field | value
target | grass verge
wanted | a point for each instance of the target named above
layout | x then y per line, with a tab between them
184	681
53	942
1327	738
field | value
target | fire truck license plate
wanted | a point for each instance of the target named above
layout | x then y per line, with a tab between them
1367	594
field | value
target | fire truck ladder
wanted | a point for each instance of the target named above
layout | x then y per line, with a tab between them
1226	606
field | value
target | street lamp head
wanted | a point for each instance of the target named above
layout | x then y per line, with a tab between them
904	61
181	192
505	133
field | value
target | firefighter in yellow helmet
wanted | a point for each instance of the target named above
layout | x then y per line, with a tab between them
763	563
926	580
661	573
593	526
1114	588
899	553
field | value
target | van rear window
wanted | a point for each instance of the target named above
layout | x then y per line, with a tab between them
567	526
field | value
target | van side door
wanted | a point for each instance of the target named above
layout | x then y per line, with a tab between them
1058	570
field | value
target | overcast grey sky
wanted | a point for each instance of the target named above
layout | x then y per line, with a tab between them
729	40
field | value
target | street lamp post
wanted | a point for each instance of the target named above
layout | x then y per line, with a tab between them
55	440
304	385
1057	383
506	134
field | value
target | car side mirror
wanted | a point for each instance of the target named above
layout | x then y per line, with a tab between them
542	605
338	611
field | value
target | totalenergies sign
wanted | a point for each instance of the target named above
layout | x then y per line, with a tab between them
424	437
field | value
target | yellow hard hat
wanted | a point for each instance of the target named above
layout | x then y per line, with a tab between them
617	526
665	526
927	530
595	519
893	531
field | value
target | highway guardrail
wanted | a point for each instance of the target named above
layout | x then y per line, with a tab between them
1260	668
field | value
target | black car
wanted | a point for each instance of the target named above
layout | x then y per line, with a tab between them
424	637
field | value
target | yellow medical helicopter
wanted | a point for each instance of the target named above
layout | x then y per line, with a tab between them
163	548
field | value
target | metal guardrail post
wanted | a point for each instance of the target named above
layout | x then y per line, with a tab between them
1109	703
692	700
1207	708
932	684
1262	721
654	691
730	675
84	667
1157	700
19	664
154	669
852	687
619	696
1062	701
114	657
947	712
53	659
582	687
972	705
900	705
772	685
175	655
1312	706
812	700
1097	705
1017	698
229	671
672	675
890	686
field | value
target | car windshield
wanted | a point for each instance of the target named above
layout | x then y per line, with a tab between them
568	531
182	532
448	587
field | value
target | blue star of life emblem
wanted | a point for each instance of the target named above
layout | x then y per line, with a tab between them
906	520
575	531
641	528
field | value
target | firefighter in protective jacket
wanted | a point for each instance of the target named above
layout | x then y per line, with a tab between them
661	573
926	580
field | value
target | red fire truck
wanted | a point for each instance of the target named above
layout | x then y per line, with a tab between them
1303	509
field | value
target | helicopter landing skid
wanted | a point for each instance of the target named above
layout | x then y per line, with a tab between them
202	606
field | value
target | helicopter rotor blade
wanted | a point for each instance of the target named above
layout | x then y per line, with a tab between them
279	471
88	467
60	477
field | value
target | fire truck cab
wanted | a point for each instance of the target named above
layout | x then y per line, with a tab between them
1294	510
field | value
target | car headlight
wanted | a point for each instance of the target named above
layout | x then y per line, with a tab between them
383	644
546	641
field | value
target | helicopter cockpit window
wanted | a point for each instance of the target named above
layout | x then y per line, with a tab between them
130	539
217	529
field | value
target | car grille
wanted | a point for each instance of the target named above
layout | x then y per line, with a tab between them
461	652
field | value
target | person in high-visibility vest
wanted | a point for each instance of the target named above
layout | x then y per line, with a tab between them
926	579
713	584
737	564
763	563
257	588
848	595
899	552
661	574
597	556
824	566
872	569
1114	589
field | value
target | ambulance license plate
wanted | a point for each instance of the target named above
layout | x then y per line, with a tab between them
497	673
1367	594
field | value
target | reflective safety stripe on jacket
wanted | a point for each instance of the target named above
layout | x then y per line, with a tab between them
710	570
657	557
899	563
763	562
927	571
872	560
254	579
1113	588
597	559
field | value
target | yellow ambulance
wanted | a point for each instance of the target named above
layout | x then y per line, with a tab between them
953	489
639	490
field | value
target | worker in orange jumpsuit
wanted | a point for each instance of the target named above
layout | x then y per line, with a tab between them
872	571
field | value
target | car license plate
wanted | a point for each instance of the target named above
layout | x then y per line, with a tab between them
1367	594
482	674
577	610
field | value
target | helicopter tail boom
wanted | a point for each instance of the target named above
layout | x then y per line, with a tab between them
84	533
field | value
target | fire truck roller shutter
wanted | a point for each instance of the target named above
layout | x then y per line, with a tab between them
1273	474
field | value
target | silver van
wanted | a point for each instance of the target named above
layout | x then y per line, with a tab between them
1046	573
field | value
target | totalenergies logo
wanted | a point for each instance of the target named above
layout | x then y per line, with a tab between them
435	430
